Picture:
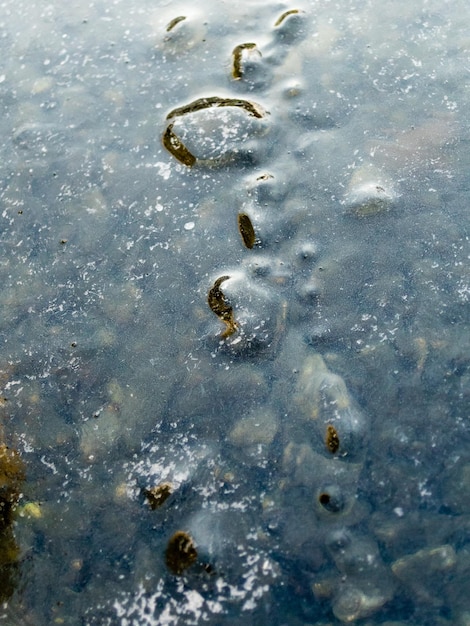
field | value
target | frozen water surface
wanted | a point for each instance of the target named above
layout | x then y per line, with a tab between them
235	371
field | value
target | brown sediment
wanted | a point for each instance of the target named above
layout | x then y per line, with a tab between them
12	476
252	108
332	439
157	495
176	147
247	232
284	15
237	54
174	22
221	306
180	553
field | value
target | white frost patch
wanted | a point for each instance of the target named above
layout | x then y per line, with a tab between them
173	607
11	383
463	291
248	575
195	602
49	464
189	225
164	169
176	464
143	609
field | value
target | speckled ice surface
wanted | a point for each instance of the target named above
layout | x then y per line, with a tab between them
303	402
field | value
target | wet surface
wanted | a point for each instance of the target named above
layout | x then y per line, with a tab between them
235	304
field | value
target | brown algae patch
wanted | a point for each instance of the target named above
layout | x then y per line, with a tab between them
221	306
237	55
252	108
332	439
247	232
158	495
12	476
176	147
180	553
174	22
286	14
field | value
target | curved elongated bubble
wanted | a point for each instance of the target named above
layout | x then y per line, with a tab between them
213	130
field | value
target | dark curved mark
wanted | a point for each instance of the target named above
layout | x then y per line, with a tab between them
332	439
237	54
175	21
221	306
284	15
252	108
265	177
176	147
246	229
331	500
173	143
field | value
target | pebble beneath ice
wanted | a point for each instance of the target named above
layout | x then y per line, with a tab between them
369	192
